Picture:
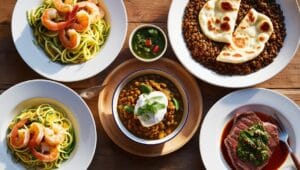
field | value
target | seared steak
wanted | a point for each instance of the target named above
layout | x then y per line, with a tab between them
242	121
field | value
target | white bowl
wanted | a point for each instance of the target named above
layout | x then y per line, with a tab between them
291	13
37	59
137	56
257	100
30	93
124	129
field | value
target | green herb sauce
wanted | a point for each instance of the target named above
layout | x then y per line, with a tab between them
253	145
148	42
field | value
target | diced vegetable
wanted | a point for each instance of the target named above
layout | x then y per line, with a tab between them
155	49
148	42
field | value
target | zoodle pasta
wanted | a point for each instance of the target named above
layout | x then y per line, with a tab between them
41	137
70	31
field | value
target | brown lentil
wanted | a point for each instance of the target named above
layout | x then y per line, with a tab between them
205	50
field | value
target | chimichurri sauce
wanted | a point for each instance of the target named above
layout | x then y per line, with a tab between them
279	154
148	42
253	145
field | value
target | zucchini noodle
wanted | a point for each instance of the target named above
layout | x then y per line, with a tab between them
46	115
90	43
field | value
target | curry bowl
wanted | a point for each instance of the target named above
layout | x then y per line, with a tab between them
150	106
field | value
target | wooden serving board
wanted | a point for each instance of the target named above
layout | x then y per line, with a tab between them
194	99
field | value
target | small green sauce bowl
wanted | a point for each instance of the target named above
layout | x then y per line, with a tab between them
148	42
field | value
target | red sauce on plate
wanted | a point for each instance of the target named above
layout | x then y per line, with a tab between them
279	155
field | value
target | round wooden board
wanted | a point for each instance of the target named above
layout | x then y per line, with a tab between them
194	99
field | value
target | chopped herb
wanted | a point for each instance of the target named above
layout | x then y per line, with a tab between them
176	103
150	108
151	99
147	49
153	32
129	108
253	145
145	88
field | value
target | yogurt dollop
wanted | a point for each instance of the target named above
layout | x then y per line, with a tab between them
151	108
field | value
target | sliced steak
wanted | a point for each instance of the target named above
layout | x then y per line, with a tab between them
243	121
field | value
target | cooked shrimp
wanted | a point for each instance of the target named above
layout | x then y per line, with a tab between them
19	138
102	13
48	153
47	20
82	21
98	3
71	40
63	6
54	135
94	1
92	9
36	134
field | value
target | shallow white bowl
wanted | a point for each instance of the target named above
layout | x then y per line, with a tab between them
30	93
290	11
136	55
37	59
258	100
124	129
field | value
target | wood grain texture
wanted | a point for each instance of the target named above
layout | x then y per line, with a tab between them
9	58
6	8
108	155
147	11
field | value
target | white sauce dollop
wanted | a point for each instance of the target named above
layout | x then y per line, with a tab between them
150	119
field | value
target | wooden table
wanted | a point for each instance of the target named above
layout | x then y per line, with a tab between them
109	156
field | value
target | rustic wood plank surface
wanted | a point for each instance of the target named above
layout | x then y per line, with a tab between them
109	156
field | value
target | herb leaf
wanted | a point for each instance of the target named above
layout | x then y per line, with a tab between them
153	32
145	88
253	145
151	108
176	103
128	108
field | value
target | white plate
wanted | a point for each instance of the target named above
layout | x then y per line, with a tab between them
259	100
33	92
37	59
290	11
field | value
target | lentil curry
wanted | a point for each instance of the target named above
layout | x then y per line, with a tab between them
144	84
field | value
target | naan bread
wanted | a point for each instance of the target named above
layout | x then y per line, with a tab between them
217	19
249	39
